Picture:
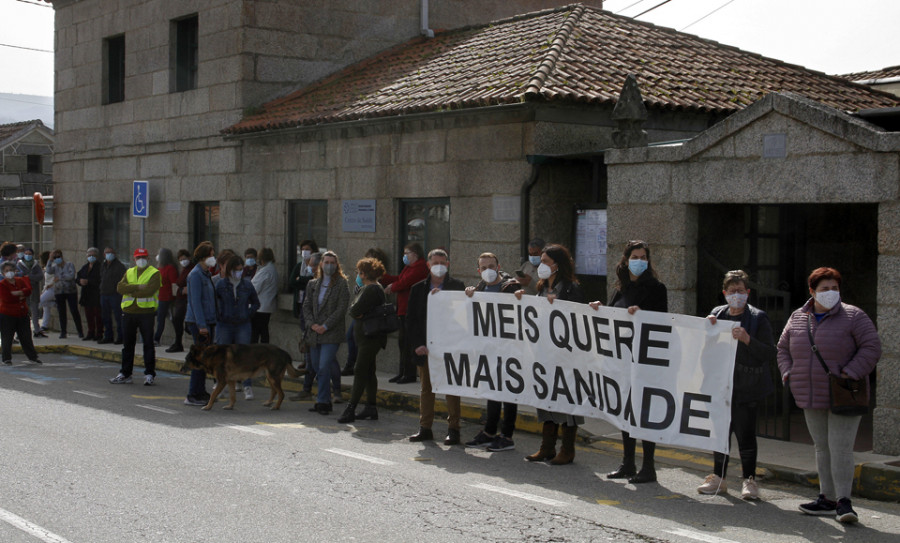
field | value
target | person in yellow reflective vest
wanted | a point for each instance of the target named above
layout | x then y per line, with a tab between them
139	288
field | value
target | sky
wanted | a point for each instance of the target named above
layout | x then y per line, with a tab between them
831	36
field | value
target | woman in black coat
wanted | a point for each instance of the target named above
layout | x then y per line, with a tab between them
88	278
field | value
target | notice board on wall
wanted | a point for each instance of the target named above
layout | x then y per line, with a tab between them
590	242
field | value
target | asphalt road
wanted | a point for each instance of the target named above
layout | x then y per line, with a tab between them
83	461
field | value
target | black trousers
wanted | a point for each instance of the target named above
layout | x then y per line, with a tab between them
132	322
743	426
407	364
510	411
259	327
20	326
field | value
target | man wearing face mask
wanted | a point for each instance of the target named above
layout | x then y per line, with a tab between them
417	312
111	272
140	299
14	292
414	270
527	275
29	267
88	278
493	279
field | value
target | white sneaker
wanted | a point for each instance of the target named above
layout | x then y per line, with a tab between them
148	381
713	484
248	392
120	380
749	489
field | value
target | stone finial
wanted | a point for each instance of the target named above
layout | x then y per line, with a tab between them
629	114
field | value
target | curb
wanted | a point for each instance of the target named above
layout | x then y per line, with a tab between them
872	480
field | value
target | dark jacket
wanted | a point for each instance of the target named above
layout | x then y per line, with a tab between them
110	275
368	298
564	290
648	294
235	307
332	313
508	284
90	293
752	363
298	283
417	312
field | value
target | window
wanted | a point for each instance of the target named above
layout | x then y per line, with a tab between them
307	219
184	58
111	228
34	164
426	222
114	69
206	223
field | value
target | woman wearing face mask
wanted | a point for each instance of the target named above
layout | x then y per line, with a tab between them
200	315
63	274
752	381
324	309
637	288
30	268
168	274
557	282
848	343
88	278
236	302
415	269
179	303
301	275
14	292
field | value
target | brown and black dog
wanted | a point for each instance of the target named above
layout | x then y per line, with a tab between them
233	363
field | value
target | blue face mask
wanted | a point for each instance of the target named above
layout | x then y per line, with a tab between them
57	260
359	280
92	259
637	266
250	262
29	258
534	259
110	257
406	260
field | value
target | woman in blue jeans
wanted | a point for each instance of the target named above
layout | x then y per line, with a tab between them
236	302
324	310
200	316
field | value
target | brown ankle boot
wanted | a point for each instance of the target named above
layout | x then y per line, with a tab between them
567	451
548	444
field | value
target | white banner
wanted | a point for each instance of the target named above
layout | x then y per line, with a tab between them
660	376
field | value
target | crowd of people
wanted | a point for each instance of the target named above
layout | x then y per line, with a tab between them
226	298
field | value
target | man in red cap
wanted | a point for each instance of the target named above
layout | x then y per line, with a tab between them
140	290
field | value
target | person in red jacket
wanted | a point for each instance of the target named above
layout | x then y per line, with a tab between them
414	270
14	292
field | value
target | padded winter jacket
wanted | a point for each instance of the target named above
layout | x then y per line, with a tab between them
847	340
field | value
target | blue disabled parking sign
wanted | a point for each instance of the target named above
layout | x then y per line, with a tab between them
140	203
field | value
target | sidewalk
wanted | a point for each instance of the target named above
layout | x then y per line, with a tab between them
877	476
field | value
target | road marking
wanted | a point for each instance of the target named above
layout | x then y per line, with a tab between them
283	424
698	536
363	457
30	528
608	502
35	381
160	409
517	494
137	397
91	394
248	429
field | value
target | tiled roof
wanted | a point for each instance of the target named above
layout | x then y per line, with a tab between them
884	73
573	54
12	131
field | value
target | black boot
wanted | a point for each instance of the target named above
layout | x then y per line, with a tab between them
647	473
369	412
321	408
349	414
348	370
424	434
626	469
452	437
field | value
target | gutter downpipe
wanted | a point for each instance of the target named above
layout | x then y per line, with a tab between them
423	16
525	202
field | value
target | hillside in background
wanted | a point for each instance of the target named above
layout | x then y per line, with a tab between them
25	107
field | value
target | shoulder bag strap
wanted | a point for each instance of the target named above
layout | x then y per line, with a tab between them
812	344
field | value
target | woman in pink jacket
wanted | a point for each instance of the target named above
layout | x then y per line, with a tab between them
849	344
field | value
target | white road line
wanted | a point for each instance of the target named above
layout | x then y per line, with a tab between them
517	494
248	429
160	409
363	457
91	394
35	381
699	536
30	528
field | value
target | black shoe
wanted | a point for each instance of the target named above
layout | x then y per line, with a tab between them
423	435
395	378
175	349
844	512
39	333
36	361
349	414
624	471
62	335
118	342
321	408
820	507
80	335
452	437
88	337
369	412
8	362
347	371
646	475
406	379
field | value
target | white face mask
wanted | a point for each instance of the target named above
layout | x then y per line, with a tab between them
304	254
544	271
439	270
828	298
184	263
736	300
10	275
237	274
489	275
210	262
141	262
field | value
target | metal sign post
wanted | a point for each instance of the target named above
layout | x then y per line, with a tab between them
140	204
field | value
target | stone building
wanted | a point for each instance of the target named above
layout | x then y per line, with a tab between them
885	79
26	165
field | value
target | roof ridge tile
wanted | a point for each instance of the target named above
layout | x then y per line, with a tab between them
535	85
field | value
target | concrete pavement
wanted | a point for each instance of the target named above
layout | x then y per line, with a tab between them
877	476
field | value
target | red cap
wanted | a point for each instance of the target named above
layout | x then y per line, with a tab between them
141	253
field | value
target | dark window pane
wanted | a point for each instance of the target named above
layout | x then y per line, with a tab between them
111	228
114	70
426	222
308	219
186	46
206	223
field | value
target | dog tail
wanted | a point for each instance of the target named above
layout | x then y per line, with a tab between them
291	370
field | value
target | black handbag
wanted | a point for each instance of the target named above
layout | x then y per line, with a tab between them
381	320
848	397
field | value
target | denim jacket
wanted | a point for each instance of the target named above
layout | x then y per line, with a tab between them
235	305
201	306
